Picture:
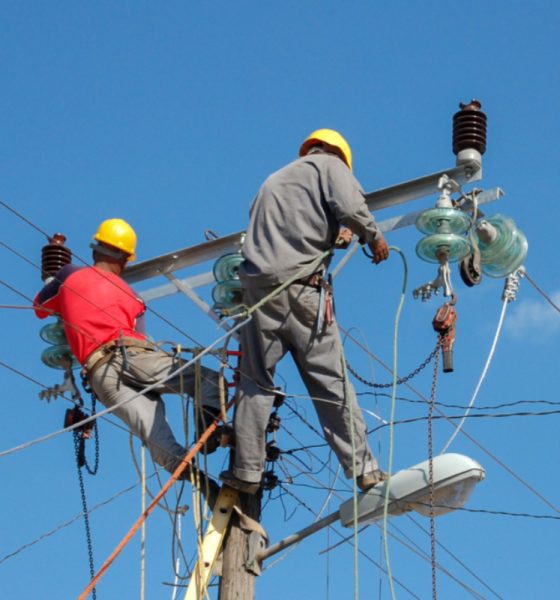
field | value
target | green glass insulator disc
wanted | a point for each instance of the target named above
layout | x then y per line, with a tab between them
227	294
57	357
227	267
53	333
511	256
432	247
443	220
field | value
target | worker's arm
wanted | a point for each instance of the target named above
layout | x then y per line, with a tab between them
46	302
346	200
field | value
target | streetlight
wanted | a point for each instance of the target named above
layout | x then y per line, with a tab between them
454	478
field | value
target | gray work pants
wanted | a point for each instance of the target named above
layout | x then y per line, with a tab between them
287	323
113	383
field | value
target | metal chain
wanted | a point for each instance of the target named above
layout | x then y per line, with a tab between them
79	448
400	380
89	390
93	470
431	466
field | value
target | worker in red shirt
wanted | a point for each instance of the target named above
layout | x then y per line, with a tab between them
104	324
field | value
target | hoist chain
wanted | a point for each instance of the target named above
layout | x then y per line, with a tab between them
80	460
400	380
431	467
80	435
93	470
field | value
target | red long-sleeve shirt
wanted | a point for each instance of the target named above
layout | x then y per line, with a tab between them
96	307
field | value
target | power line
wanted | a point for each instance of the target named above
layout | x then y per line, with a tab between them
482	375
416	550
86	263
349	540
463	406
463	432
542	292
67	523
332	490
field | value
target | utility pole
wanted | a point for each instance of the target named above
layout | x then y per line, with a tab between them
236	583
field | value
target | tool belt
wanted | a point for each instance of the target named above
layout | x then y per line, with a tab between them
105	352
326	303
315	280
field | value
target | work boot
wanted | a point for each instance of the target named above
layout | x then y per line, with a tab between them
229	479
368	480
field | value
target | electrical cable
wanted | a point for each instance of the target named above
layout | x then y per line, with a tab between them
463	432
482	376
86	263
16	307
417	551
393	525
143	529
67	523
148	388
337	492
349	541
456	558
421	554
348	402
184	463
542	292
458	406
392	417
118	425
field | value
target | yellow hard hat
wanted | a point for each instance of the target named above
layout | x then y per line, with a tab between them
331	137
118	234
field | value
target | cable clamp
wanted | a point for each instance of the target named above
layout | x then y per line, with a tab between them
511	285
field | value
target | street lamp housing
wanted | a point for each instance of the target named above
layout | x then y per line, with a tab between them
454	478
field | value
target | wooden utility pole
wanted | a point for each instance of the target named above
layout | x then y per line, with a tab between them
236	583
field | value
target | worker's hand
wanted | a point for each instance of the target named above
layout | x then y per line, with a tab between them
344	238
379	249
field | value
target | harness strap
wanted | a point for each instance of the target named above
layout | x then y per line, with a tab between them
104	353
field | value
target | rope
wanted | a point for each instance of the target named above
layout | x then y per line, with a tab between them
431	474
392	418
177	563
482	377
306	270
175	475
143	532
119	404
348	403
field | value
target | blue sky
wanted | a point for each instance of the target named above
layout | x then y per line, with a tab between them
170	115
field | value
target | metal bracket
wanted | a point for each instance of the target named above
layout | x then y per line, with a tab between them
255	544
443	280
68	385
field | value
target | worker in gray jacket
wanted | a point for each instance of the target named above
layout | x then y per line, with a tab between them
296	216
